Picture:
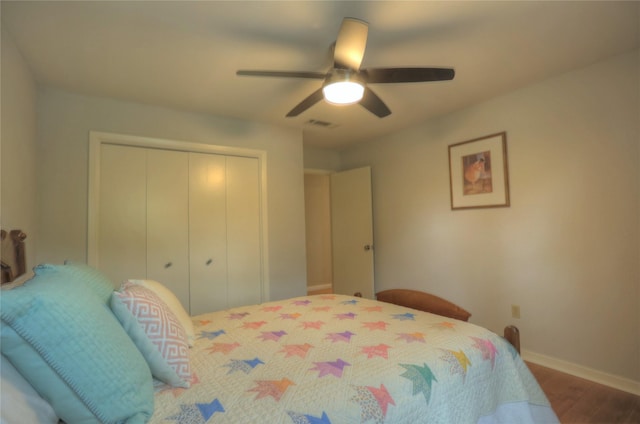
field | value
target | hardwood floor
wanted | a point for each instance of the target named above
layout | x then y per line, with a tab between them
325	291
579	401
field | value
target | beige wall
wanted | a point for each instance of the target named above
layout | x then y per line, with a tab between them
317	199
18	147
566	250
64	122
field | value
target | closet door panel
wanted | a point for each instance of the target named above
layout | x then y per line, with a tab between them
122	243
243	231
207	233
168	221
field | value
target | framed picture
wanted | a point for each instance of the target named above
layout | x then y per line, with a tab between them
478	173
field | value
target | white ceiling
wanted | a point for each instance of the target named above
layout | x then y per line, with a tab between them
184	54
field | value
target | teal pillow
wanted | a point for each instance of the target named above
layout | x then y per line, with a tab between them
160	369
81	274
61	317
68	406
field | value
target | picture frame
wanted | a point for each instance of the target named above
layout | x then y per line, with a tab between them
479	173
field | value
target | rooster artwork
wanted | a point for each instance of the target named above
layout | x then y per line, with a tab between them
477	173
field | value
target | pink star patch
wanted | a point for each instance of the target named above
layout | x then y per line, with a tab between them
312	324
253	325
296	350
379	350
380	325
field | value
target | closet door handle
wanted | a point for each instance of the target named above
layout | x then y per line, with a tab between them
209	262
168	265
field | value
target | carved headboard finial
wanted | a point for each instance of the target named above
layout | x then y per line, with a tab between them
14	260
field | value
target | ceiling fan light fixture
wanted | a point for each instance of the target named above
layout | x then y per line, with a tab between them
343	88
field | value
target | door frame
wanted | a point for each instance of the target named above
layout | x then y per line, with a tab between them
330	172
98	138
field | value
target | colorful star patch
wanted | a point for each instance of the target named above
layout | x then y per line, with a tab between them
210	334
244	365
312	324
272	388
378	325
458	362
421	377
253	325
380	350
334	368
295	315
197	413
487	348
377	308
411	337
340	337
296	350
237	315
373	403
274	308
348	315
300	418
405	317
272	335
444	325
224	348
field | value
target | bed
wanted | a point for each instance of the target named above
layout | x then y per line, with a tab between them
329	359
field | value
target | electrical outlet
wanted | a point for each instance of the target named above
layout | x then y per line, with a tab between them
515	311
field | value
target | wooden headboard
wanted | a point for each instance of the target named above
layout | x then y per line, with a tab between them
13	254
424	302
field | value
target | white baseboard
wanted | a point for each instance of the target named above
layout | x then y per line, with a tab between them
318	287
617	382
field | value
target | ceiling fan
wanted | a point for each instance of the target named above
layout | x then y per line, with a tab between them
346	83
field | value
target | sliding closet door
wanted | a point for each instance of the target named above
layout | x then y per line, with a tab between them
122	240
244	257
207	232
192	220
168	221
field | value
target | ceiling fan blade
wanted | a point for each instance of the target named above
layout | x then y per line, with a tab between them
374	104
395	75
351	43
314	98
282	74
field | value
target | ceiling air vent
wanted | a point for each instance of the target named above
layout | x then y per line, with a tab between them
321	124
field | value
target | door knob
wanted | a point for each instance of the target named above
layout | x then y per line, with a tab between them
368	247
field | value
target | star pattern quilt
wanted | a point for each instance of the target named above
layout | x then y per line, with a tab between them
341	359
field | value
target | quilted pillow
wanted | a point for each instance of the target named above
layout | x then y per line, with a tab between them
160	325
159	367
89	367
77	273
173	303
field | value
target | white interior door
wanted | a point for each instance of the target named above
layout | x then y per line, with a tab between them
352	232
168	221
207	233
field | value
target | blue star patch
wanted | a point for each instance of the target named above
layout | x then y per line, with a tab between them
405	316
210	334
